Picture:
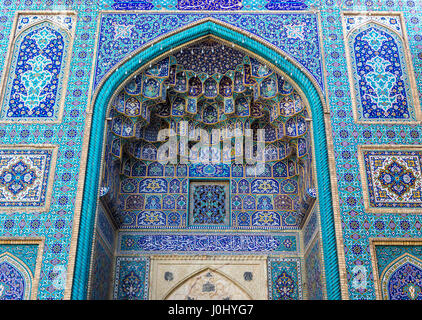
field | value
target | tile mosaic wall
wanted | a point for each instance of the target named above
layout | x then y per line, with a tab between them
314	271
150	190
208	285
358	225
45	209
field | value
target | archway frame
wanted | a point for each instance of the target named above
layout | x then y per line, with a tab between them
76	286
197	273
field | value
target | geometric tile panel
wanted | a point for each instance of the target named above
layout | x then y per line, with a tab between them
131	278
393	179
284	279
209	203
211	5
15	281
26	175
205	243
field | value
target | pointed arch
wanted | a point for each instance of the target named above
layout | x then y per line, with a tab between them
402	278
19	281
152	52
198	279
